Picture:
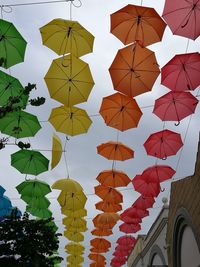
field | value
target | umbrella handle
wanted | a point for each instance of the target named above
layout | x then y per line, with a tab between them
177	124
162	189
164	158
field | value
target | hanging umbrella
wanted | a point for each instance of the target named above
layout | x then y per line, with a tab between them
134	70
36	202
113	178
97	257
74	214
126	240
70	120
163	144
158	173
182	72
100	243
74	222
130	220
99	250
183	17
2	191
147	186
74	248
56	151
175	106
108	194
96	264
19	124
72	201
40	213
115	151
29	162
67	36
129	228
134	212
74	235
101	231
12	44
144	203
67	185
73	259
106	220
69	80
120	111
108	206
33	188
5	204
11	87
137	23
80	228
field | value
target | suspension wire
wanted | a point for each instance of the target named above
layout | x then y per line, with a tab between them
36	3
65	157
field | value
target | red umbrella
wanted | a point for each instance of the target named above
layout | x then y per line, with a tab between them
128	219
144	203
123	248
159	173
129	228
135	213
183	17
147	186
182	72
126	240
163	144
175	106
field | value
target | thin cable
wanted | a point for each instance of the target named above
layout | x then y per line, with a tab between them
65	157
188	41
141	2
36	3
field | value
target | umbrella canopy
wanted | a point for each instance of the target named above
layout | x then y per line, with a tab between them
99	250
126	240
120	111
100	243
56	151
115	151
97	257
129	228
130	220
74	222
137	23
36	202
163	144
183	17
74	235
108	206
5	203
113	178
158	173
2	191
106	220
143	203
147	186
134	212
19	124
29	162
67	36
182	72
70	120
11	87
33	188
74	214
74	248
12	44
108	194
175	106
69	80
134	70
96	264
67	185
101	231
40	213
73	259
78	228
72	201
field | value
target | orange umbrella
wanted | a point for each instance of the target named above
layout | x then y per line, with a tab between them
115	151
108	194
108	206
97	257
137	23
134	70
99	250
113	178
106	220
120	111
96	264
101	232
100	243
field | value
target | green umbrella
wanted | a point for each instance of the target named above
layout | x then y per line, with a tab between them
11	87
29	162
12	44
36	202
40	213
19	124
33	188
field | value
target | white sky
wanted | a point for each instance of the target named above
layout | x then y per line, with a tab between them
84	162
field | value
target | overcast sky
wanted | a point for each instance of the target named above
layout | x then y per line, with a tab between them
83	160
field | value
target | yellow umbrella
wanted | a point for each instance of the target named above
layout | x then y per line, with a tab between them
69	80
75	259
74	248
72	201
74	214
56	151
74	265
67	36
74	235
81	228
70	120
67	185
74	223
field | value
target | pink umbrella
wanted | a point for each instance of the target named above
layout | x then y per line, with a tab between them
158	173
129	228
144	203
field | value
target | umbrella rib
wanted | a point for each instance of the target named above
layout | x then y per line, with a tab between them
143	60
175	10
62	69
15	48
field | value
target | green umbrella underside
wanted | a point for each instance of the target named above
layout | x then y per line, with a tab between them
36	202
33	188
40	213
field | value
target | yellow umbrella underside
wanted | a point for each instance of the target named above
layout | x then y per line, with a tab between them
67	185
56	151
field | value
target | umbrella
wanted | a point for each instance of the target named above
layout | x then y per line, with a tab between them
137	23
182	72
97	257
33	188
73	259
126	240
175	106
120	111
134	212
78	228
2	191
67	185
147	186
71	83
183	17
100	243
108	206
96	264
36	202
74	222
99	250
70	120
115	151
29	162
74	248
130	220
129	228
163	144
101	231
12	44
5	203
74	235
19	124
40	213
113	178
106	220
158	173
67	36
108	194
11	87
144	203
74	214
72	201
134	70
56	151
